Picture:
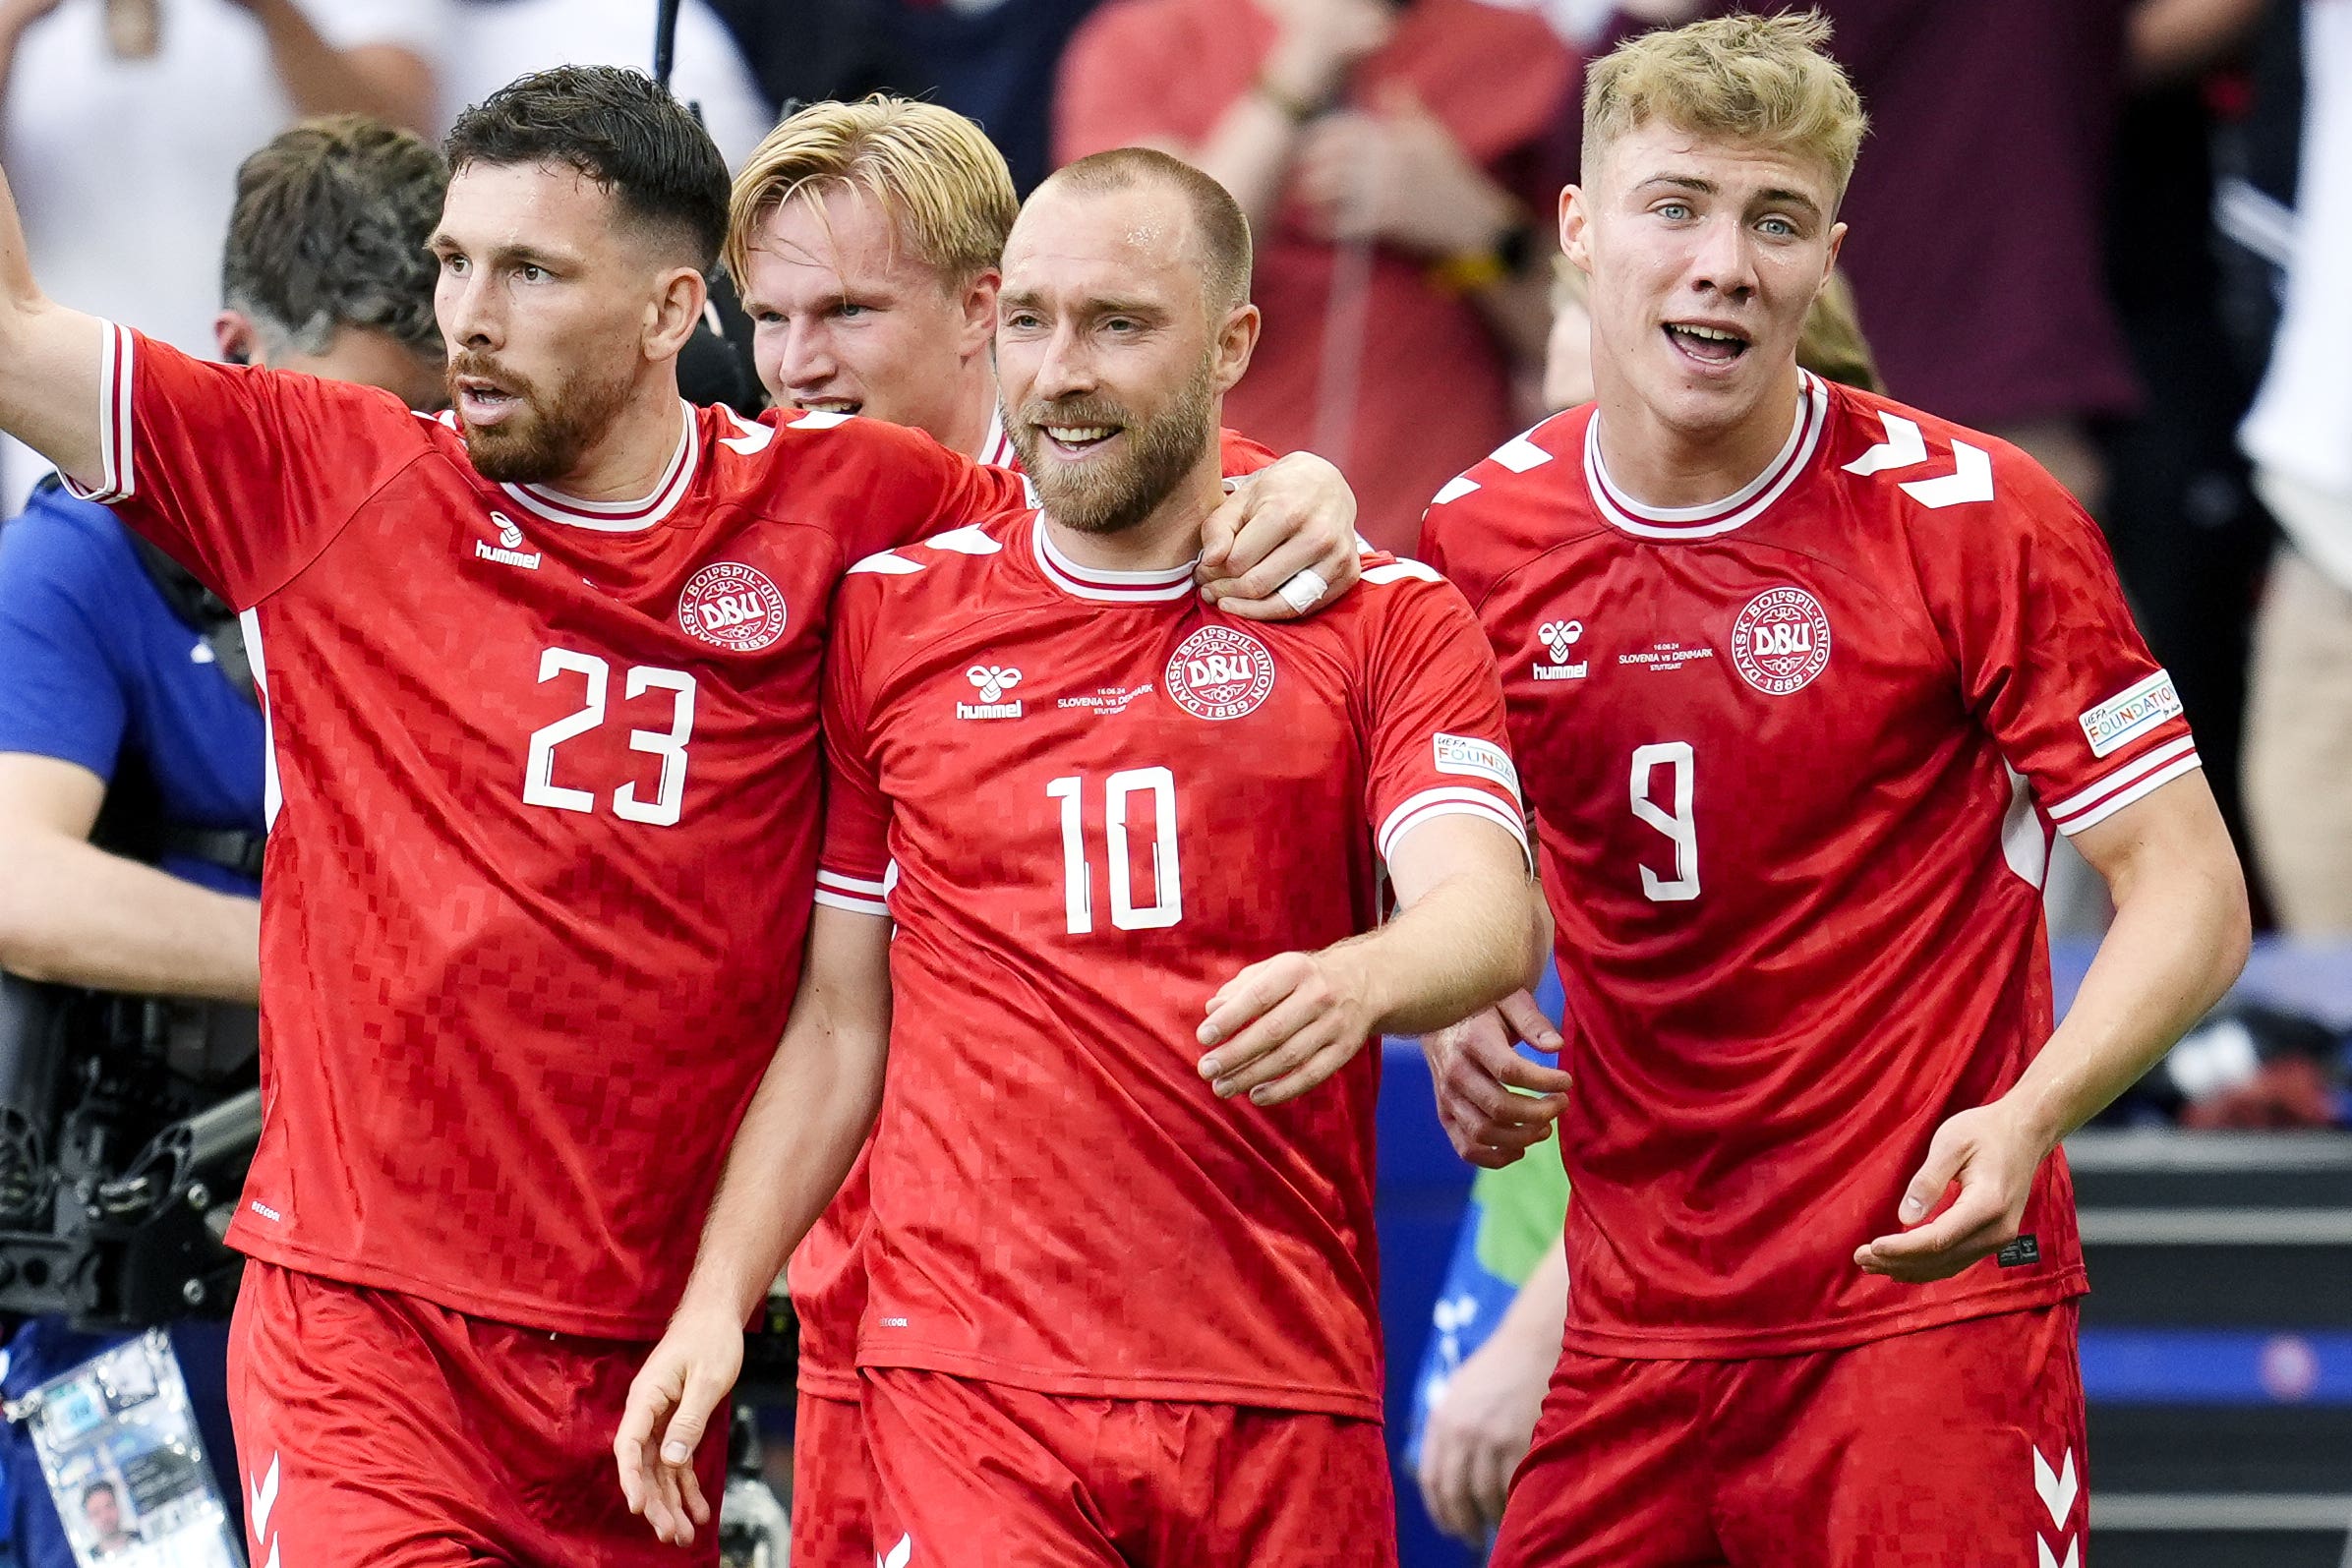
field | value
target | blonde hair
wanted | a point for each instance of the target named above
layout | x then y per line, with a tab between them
1756	78
1831	343
935	172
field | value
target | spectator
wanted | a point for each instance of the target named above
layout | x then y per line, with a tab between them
490	43
163	136
103	1506
326	273
1389	158
2299	722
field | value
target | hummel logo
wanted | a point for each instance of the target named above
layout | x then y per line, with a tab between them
508	550
992	682
898	1555
1557	637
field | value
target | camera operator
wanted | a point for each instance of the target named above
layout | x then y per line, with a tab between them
125	690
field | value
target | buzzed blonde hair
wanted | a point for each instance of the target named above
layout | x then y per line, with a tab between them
936	173
1764	79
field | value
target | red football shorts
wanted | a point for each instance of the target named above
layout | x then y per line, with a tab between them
979	1473
1959	1444
377	1429
831	1492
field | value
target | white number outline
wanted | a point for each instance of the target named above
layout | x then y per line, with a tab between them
1681	828
539	769
1167	873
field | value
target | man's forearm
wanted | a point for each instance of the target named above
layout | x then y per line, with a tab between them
797	1142
48	360
1463	945
73	914
321	79
2178	941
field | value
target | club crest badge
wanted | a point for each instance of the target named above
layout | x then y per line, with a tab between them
1781	640
1220	673
731	606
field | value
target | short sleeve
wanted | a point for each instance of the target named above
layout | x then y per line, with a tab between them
1439	745
242	475
891	486
853	864
1238	455
60	586
2050	661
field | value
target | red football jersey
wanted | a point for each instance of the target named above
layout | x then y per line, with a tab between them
1089	801
828	1279
1794	759
544	781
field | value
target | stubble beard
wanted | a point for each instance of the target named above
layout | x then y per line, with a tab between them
1110	497
549	435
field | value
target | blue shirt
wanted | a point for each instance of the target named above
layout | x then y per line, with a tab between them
93	662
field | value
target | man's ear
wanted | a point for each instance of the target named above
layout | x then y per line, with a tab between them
1576	225
676	310
1237	340
239	342
979	330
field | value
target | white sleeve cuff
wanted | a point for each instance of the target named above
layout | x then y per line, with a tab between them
2134	781
1451	802
116	480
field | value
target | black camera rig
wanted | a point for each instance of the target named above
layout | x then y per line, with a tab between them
127	1125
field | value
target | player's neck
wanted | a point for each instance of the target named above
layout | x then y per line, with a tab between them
1661	464
975	413
1169	536
636	450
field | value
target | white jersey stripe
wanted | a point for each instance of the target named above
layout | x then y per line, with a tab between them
2116	802
2121	776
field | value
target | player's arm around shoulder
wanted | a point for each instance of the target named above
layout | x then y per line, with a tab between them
49	362
797	1142
1283	544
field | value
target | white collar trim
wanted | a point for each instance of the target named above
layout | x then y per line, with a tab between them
1735	510
1163	586
622	517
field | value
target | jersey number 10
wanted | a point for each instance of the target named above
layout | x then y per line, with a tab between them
1119	792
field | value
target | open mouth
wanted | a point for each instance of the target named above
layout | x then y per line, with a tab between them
1708	345
1074	442
483	402
827	405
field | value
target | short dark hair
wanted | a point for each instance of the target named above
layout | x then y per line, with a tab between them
101	1485
330	231
1219	225
619	130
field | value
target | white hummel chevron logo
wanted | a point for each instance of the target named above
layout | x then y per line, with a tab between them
1519	455
265	1499
272	1562
754	440
1970	479
898	1555
1456	489
2056	1489
2049	1559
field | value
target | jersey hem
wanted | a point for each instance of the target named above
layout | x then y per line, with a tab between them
1317	1400
827	1382
1844	1333
520	1311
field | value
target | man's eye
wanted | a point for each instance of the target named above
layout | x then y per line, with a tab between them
850	310
532	274
1675	211
1778	228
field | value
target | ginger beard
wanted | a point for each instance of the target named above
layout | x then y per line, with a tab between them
1109	493
547	435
